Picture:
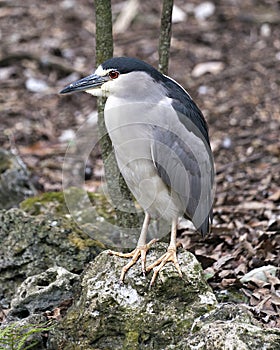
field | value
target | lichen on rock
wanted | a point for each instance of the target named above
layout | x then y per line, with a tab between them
32	244
111	315
231	326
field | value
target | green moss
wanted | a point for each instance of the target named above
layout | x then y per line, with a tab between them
75	201
103	207
82	241
231	295
131	340
49	202
88	215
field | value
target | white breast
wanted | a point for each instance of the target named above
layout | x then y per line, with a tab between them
132	139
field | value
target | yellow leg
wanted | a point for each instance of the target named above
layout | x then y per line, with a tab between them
140	250
170	255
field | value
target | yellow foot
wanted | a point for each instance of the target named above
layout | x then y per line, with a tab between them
134	255
170	255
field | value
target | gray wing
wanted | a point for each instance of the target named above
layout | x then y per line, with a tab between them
184	162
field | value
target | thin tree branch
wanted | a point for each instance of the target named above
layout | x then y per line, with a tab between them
165	36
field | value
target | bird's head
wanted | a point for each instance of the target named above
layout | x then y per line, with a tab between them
118	76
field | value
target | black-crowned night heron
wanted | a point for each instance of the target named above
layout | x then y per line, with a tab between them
161	144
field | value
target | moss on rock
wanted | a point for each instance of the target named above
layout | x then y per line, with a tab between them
32	244
130	315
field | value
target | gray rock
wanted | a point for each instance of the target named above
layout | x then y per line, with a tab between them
110	315
176	313
15	184
231	327
44	291
32	244
179	314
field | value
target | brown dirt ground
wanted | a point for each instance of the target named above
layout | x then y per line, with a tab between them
51	40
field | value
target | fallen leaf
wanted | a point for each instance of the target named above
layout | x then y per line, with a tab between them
259	274
213	67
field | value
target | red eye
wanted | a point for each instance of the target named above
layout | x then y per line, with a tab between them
114	74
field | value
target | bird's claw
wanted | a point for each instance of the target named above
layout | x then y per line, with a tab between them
171	256
140	251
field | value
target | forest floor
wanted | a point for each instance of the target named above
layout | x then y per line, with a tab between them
228	62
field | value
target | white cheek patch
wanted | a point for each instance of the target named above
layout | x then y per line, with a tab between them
103	91
107	88
95	92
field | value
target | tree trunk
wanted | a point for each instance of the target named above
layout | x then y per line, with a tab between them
118	191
